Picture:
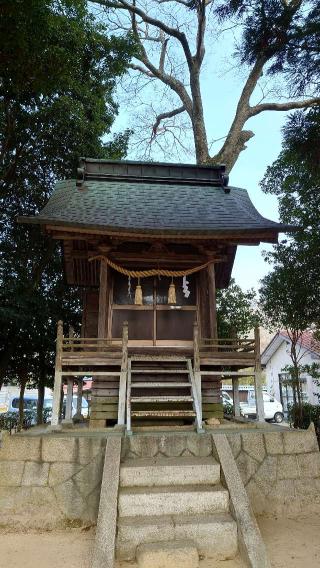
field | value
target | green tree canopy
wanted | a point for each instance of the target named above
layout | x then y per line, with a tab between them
58	73
236	311
290	292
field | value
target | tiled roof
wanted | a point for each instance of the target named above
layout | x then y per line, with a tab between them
307	341
153	207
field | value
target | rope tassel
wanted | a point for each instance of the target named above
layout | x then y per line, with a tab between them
138	294
172	299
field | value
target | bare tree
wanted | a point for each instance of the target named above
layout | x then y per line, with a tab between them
270	38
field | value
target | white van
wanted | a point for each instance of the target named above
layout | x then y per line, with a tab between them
273	409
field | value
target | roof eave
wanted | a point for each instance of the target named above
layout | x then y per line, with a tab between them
193	233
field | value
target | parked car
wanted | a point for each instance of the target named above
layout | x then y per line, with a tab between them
30	405
273	409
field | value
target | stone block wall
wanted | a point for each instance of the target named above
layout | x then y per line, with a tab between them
53	481
280	470
166	445
49	481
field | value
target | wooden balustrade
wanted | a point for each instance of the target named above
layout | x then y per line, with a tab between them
87	345
227	345
123	375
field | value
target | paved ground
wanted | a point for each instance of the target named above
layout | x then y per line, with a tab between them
293	543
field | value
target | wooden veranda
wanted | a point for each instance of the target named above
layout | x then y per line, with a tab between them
110	363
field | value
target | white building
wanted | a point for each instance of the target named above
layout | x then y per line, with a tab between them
276	357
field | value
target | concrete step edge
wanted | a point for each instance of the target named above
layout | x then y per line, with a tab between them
174	520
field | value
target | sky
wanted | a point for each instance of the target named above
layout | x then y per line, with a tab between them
220	91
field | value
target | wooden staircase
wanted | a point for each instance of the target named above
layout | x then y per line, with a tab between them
171	385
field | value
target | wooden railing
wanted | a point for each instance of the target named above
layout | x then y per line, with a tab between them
123	376
84	347
87	345
228	345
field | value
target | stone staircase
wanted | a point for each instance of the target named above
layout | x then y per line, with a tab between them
174	499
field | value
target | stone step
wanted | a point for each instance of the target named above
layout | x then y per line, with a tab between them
159	471
176	500
214	535
179	554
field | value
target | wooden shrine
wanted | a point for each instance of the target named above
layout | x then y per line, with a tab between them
149	244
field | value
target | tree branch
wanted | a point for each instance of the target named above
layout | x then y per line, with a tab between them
200	33
163	116
290	105
173	32
237	138
141	70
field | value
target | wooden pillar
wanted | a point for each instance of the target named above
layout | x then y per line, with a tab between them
57	377
69	397
69	400
258	377
196	361
212	301
102	317
123	375
236	398
78	416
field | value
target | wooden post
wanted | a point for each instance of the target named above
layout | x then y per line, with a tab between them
69	397
196	361
78	416
69	400
212	301
258	377
123	375
57	377
102	317
236	398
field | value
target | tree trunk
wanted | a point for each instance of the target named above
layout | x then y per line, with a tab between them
197	119
23	382
41	390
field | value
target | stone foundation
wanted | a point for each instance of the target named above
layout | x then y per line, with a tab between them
280	470
51	481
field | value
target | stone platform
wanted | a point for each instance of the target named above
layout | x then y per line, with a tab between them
50	480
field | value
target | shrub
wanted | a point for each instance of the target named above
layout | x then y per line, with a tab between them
302	416
9	420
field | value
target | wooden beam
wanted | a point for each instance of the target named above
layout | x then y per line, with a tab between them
102	316
258	377
263	235
212	301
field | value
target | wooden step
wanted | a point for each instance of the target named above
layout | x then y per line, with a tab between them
92	373
90	361
151	385
164	358
162	413
160	371
161	398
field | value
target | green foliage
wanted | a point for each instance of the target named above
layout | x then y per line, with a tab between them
236	312
285	33
10	420
289	294
228	409
310	413
58	73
